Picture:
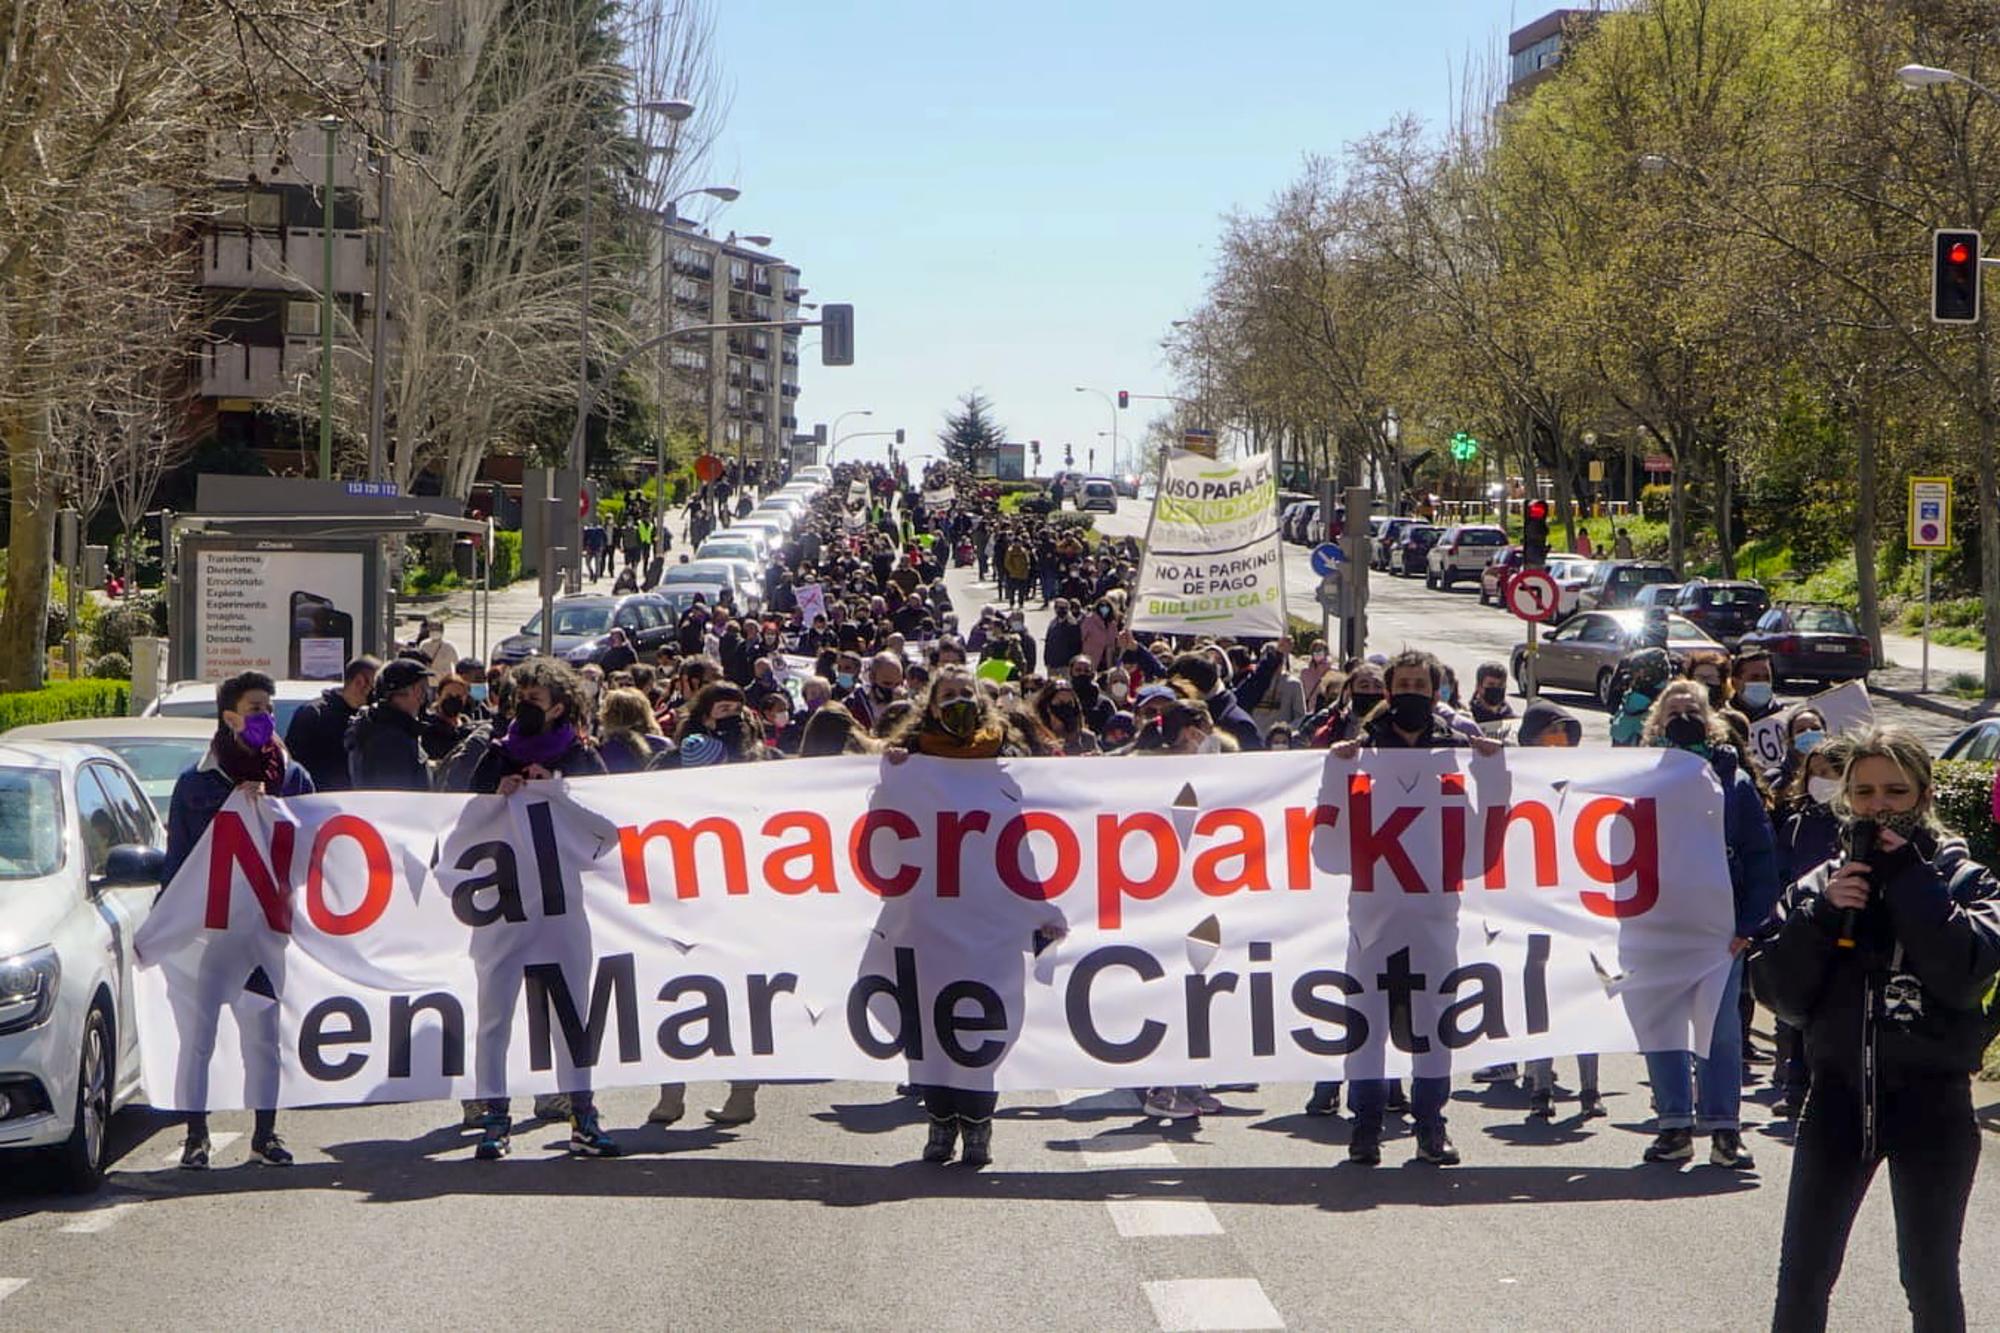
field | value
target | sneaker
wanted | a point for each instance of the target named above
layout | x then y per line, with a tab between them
1205	1102
194	1155
552	1106
270	1151
1673	1145
1365	1148
1165	1104
588	1139
1325	1100
1542	1105
496	1138
1435	1146
1725	1148
1592	1107
1494	1074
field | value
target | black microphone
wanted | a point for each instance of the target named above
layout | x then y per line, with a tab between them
1862	835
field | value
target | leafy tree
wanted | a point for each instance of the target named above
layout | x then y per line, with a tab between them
970	433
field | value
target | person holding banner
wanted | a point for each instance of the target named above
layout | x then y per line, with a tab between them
1886	956
957	722
245	756
1682	719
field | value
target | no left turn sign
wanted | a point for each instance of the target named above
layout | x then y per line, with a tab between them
1532	595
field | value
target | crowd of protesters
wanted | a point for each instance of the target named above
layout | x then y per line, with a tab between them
1874	954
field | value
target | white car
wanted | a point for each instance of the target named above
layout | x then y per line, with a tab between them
1097	493
80	857
761	540
715	574
816	472
767	523
1462	551
157	749
1572	575
196	698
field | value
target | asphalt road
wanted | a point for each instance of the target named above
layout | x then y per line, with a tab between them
817	1215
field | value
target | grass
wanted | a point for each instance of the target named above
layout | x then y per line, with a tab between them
1965	685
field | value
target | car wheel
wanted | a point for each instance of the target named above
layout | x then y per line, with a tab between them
1604	690
80	1159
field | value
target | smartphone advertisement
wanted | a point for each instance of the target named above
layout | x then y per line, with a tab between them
288	613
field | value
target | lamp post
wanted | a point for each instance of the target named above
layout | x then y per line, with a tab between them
378	348
1113	406
330	124
833	432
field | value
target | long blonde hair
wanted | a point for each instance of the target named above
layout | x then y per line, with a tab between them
1900	747
1656	718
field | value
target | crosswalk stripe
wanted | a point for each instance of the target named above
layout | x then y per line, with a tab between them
216	1143
99	1219
1127	1150
1191	1305
1136	1218
10	1285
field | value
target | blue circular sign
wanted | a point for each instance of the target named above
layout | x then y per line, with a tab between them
1327	559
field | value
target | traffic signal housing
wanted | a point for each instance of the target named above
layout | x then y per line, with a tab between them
1124	398
836	334
1535	535
899	435
1955	277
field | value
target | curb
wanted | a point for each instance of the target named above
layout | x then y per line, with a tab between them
1932	704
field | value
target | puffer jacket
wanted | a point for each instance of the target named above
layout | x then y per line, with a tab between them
1934	918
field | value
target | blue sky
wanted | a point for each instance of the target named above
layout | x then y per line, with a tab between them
1019	197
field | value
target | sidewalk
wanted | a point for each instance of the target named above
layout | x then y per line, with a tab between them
1902	679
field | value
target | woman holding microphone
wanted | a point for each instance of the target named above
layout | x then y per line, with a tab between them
1884	957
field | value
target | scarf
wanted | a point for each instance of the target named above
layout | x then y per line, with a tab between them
240	763
543	748
941	744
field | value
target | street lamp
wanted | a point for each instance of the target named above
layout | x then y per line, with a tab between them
1108	402
1930	76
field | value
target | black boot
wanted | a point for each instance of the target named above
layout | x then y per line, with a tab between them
944	1138
978	1142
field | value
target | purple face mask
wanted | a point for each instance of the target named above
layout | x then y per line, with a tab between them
258	730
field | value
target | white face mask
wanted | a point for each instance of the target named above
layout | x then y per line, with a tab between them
1209	745
1757	693
1823	790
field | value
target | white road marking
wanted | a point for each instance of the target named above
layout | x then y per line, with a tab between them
216	1143
99	1219
1188	1305
10	1285
1124	1150
1163	1217
1098	1099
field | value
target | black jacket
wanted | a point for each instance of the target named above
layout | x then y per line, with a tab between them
317	739
1062	644
632	752
1381	734
1934	916
385	751
579	761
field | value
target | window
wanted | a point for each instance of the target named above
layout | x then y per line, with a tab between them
31	823
98	820
1601	629
135	812
302	319
1826	620
264	209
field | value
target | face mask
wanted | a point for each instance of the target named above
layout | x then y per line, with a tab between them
451	705
1684	731
1119	689
1410	712
1104	613
1757	693
1495	694
1806	741
1365	703
1319	659
479	694
1209	745
844	679
728	728
1716	698
1446	692
1823	790
529	719
1902	823
1063	712
776	722
959	716
258	729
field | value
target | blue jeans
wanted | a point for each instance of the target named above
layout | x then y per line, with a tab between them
1675	1075
1365	1097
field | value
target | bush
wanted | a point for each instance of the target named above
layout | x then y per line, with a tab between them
1655	501
110	666
1065	521
117	628
64	702
506	557
58	626
1965	804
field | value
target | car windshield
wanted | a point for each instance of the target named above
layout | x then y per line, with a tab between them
31	823
712	572
726	551
1824	620
574	620
1639	575
1482	537
158	761
1736	597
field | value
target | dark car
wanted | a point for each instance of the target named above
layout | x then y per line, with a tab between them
1387	538
1727	609
1617	582
1980	741
1811	641
1414	549
583	626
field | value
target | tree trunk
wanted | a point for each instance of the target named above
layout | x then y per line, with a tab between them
1989	524
1864	526
1725	507
1677	507
24	616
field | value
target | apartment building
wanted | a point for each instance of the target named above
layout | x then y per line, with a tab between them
1534	51
746	381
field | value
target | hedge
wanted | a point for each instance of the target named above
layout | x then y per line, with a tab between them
506	557
1965	804
64	701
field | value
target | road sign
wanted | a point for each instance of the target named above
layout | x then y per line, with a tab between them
1330	593
1198	441
586	500
1930	513
1327	560
708	468
1532	595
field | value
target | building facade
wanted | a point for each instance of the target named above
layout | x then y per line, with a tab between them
1534	51
744	381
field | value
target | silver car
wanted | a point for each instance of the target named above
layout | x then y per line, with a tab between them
1583	654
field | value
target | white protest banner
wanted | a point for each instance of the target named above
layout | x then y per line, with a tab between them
1213	564
1258	917
1845	708
812	602
940	498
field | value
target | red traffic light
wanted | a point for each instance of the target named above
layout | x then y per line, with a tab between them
1959	253
1124	398
1538	510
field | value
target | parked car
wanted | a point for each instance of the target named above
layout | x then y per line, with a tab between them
1414	549
1461	551
1390	533
1583	653
1617	582
815	472
196	698
1127	484
744	593
1811	641
583	626
1656	594
1726	608
1980	741
738	546
81	851
157	749
1493	578
1572	574
1097	493
1302	525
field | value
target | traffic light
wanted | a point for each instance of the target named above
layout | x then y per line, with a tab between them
899	435
836	334
1535	535
1124	398
1069	455
1036	447
1955	277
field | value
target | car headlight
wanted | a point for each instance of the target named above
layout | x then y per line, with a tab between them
583	652
28	988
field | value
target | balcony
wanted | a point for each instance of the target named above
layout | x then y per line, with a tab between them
242	370
288	260
295	159
790	391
